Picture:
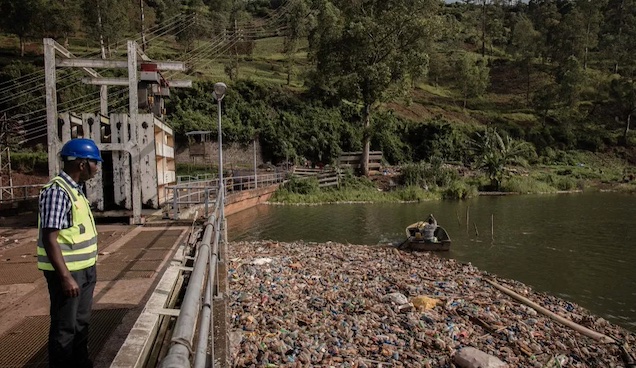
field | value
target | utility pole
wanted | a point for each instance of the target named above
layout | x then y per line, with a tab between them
143	33
101	31
6	179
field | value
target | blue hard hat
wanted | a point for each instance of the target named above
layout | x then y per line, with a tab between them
81	148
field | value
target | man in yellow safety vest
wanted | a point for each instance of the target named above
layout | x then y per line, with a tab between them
67	253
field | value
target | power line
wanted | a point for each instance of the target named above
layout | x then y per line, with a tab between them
212	48
39	75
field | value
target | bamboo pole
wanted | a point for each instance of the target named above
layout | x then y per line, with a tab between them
467	218
564	321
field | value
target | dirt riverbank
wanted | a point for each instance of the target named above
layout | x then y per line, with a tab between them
302	304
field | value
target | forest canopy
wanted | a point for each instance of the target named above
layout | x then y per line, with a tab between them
312	78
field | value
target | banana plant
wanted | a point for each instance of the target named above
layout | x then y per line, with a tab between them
494	153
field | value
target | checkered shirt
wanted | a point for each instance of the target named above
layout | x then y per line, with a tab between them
55	205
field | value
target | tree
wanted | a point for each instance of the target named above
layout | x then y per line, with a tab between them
570	77
195	27
546	18
474	76
618	36
545	99
623	96
494	153
297	25
368	53
522	46
58	18
165	10
19	18
592	18
571	38
107	20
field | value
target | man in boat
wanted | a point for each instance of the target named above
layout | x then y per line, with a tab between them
429	229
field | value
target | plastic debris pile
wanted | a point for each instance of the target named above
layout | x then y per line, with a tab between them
307	304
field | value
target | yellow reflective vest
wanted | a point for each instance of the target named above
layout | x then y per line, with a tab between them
79	242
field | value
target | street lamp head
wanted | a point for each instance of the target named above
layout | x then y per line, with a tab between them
219	90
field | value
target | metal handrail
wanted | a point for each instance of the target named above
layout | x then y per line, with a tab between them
192	178
202	287
205	191
12	193
184	332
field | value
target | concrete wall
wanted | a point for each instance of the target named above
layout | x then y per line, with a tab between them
234	203
240	201
234	155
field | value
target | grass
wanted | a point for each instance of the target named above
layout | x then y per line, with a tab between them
369	194
436	90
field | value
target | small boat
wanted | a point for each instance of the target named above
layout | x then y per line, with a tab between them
415	241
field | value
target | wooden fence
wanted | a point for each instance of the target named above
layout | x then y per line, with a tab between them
353	160
328	178
306	171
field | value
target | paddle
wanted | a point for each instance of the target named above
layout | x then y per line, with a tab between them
402	243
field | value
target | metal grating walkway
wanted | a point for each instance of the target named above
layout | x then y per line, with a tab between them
140	257
19	273
25	345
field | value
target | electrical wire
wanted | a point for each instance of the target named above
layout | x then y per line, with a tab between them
212	48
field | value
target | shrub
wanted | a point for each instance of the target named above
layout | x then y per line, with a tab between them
526	184
459	190
30	162
412	193
414	174
302	185
192	169
350	181
425	175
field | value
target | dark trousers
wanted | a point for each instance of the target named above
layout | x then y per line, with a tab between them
68	333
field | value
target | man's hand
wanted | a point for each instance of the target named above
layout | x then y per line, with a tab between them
52	248
70	287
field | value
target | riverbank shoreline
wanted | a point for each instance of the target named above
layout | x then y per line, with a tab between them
480	194
300	304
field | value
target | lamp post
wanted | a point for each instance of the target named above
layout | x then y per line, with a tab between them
218	94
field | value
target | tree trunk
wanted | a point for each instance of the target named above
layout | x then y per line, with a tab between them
22	46
236	38
101	33
620	34
528	65
626	132
143	33
483	29
366	139
587	37
289	72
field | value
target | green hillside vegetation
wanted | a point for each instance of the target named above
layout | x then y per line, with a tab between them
464	97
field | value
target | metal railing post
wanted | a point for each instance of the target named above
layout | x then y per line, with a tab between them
175	193
207	200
